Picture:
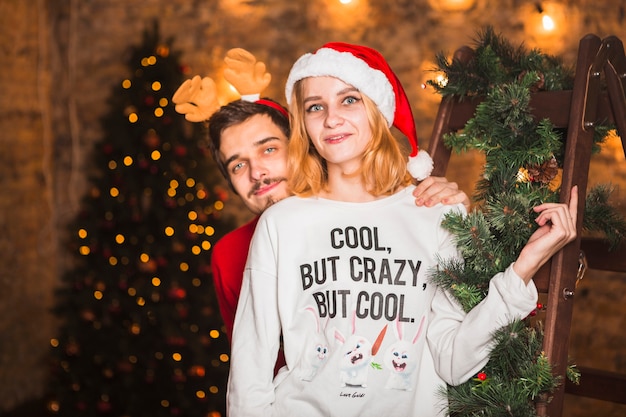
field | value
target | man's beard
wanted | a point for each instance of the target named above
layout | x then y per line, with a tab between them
269	202
271	199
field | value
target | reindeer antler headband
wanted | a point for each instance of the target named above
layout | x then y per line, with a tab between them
197	98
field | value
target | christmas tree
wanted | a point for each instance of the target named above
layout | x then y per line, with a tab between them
523	158
140	329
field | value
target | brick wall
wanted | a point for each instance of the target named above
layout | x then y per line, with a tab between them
61	57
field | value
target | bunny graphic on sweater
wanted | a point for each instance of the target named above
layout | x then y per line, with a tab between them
316	351
356	355
401	358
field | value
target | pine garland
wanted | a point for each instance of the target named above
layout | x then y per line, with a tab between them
523	160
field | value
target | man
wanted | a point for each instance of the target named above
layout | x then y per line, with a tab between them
249	143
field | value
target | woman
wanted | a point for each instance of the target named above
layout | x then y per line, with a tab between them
341	268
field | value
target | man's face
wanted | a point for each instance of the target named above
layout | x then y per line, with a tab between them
255	155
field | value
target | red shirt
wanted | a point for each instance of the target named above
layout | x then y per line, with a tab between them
228	262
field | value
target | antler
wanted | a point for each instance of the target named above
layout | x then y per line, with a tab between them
196	99
245	73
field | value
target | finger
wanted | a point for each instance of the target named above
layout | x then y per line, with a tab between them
423	186
421	191
438	188
573	204
456	198
571	208
554	213
558	224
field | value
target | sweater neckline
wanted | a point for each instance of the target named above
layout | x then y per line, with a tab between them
399	195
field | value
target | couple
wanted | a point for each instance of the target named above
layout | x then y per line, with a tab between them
337	275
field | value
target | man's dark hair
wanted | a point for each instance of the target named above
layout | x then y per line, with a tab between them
235	113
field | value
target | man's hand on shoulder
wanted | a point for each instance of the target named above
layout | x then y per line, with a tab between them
435	190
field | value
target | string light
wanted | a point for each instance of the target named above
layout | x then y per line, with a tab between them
441	80
548	23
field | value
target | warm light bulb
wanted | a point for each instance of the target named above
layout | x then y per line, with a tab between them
345	1
547	22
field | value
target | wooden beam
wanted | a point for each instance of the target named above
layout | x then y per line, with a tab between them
600	385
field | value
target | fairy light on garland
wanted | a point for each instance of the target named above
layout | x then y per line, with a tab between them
518	377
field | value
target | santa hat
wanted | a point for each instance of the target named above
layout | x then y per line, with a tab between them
367	70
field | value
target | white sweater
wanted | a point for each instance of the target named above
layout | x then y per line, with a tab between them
364	332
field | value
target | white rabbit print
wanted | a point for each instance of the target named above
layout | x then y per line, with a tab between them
356	354
401	358
316	350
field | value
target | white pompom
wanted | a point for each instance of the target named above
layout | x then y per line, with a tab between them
420	166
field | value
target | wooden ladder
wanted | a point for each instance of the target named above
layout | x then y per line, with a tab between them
577	110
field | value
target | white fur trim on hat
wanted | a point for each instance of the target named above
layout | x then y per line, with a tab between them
420	166
349	69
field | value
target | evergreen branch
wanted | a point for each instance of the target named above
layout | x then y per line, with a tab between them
523	156
537	377
497	61
512	221
514	344
468	287
474	240
573	374
495	397
602	217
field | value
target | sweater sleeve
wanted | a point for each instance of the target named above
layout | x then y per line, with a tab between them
460	342
256	334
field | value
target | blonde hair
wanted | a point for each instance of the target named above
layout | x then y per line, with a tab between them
384	168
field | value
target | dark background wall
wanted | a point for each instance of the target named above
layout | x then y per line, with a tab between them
59	59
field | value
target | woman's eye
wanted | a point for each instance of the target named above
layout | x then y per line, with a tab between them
350	100
270	150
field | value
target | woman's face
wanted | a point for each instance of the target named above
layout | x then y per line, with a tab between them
336	120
